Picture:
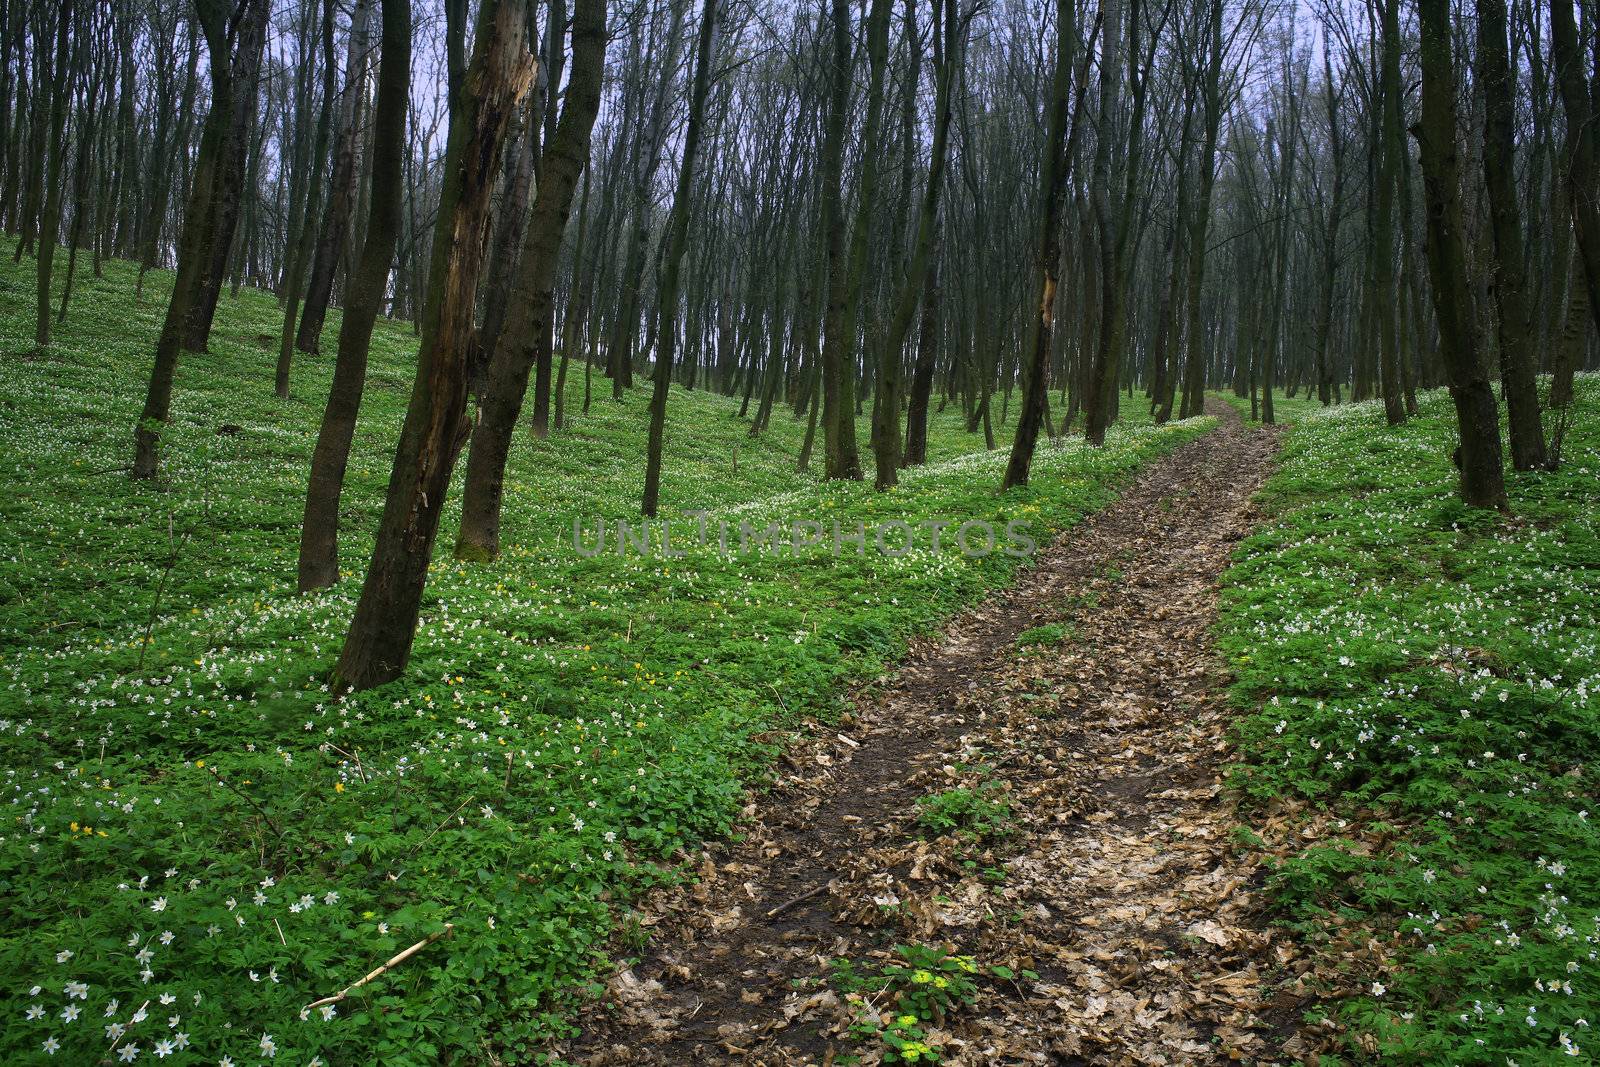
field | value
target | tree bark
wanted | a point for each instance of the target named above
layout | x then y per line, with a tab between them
834	376
1482	479
1582	157
200	229
676	238
59	96
948	31
335	222
319	528
1508	281
378	645
294	278
1052	198
249	34
1388	150
527	329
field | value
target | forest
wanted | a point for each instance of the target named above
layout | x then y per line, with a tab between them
800	531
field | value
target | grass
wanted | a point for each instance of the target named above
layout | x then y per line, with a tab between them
1423	678
1285	408
202	835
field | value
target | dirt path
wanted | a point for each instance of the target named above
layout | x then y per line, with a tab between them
1115	897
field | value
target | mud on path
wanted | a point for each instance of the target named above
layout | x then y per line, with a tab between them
1117	888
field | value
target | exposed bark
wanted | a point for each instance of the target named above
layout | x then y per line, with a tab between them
249	34
1581	155
572	325
59	96
916	450
334	224
948	31
201	224
677	236
1194	381
835	378
1052	198
378	645
527	330
294	277
1388	149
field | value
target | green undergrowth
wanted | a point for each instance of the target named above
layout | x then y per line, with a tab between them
1423	678
203	840
1285	408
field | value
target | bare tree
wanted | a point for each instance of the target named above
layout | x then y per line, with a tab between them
1479	456
384	626
319	527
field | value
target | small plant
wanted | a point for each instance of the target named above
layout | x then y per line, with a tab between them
931	981
924	984
980	811
1039	637
907	1042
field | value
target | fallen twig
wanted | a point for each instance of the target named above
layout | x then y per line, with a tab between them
122	1035
441	826
801	899
395	961
247	798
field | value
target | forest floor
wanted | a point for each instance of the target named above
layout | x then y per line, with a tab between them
1016	849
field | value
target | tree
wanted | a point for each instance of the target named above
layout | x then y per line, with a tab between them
1581	156
1508	276
948	31
1387	149
1052	198
378	644
319	527
59	96
676	237
530	311
1479	456
294	274
1193	402
204	224
844	266
646	161
230	176
1115	220
334	224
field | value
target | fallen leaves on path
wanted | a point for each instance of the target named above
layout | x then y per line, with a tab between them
1117	903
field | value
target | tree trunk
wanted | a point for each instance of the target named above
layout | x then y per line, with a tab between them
335	222
572	325
1388	150
677	236
1482	479
59	96
199	233
319	528
381	634
1052	198
1582	157
1508	280
838	334
947	31
250	35
1194	382
527	329
922	370
294	276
